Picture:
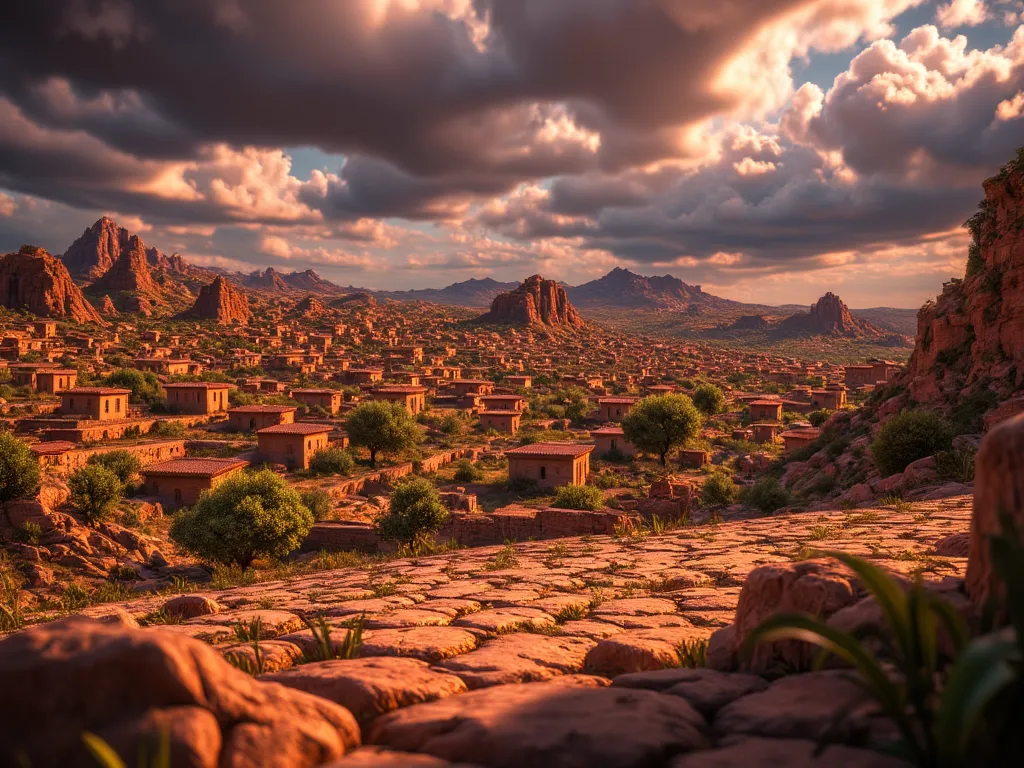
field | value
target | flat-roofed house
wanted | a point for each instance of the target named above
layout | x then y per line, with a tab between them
101	403
328	399
53	380
198	397
611	440
472	387
766	410
503	403
550	464
292	444
614	409
249	418
519	381
795	439
830	399
501	420
413	398
180	482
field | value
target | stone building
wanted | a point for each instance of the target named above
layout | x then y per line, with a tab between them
180	482
501	420
54	380
101	403
609	439
292	444
550	464
198	397
614	409
766	410
413	398
249	418
328	399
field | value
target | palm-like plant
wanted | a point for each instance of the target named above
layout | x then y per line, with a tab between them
974	714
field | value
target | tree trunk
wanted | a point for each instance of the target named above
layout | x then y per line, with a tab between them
373	458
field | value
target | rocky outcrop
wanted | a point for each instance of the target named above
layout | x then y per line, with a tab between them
829	316
95	252
32	279
970	341
267	280
309	308
358	299
221	302
107	307
622	288
130	272
750	323
536	301
129	685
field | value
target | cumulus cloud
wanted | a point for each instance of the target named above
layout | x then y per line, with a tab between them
962	13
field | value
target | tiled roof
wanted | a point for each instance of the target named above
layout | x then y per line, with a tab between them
96	391
617	400
198	385
316	392
294	429
263	409
508	412
766	402
201	467
607	431
551	449
401	390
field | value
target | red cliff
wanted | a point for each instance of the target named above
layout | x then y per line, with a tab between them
829	316
536	301
32	279
221	302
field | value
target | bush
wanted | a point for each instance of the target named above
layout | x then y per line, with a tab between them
465	472
579	497
380	426
249	515
124	464
523	486
331	461
709	399
766	495
660	423
415	509
145	386
95	491
168	429
318	502
19	469
910	436
718	489
819	417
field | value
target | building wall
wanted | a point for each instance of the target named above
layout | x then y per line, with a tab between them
249	422
100	407
204	401
606	443
293	451
550	472
175	491
509	424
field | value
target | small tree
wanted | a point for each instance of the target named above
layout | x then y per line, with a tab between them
709	399
331	461
19	469
124	464
718	489
95	491
319	502
466	472
249	515
579	497
415	509
145	386
382	426
766	495
660	423
819	417
910	436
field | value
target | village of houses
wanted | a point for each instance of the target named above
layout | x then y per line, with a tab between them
275	393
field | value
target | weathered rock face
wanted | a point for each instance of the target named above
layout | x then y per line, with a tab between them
92	254
309	308
536	301
107	307
130	272
219	301
829	316
970	340
32	279
268	280
750	323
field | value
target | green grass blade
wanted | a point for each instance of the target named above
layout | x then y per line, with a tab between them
103	752
890	597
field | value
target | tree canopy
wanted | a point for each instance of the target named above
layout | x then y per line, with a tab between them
380	426
659	423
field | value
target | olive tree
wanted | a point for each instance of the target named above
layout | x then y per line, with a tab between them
659	423
414	509
95	491
19	469
380	426
709	399
249	515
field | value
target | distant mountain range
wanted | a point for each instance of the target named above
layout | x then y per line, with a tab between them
469	293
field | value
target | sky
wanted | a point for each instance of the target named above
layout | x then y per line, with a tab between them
768	151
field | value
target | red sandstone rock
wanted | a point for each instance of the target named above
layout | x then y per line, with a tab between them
190	606
95	252
130	272
78	674
829	316
221	302
536	301
32	279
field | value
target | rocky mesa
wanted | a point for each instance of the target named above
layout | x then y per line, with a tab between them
221	302
536	302
32	279
829	316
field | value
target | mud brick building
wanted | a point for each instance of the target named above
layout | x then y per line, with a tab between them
550	464
198	397
292	444
180	482
249	418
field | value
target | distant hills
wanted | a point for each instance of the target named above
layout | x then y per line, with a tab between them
468	293
622	288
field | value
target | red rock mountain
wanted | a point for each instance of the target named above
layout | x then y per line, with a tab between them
829	316
130	272
536	301
102	244
32	279
969	352
622	288
221	302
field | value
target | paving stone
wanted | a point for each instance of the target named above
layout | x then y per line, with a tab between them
595	630
791	753
274	655
410	617
499	620
640	650
519	658
272	623
547	724
426	643
370	687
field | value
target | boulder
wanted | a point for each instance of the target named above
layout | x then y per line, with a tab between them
79	674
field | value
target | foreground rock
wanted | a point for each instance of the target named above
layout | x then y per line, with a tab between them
125	685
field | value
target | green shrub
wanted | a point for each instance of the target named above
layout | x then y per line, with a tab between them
466	472
523	486
660	423
124	464
579	497
19	469
415	509
709	399
819	417
331	461
319	502
910	436
956	464
382	427
249	515
165	428
95	491
766	495
144	386
718	489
